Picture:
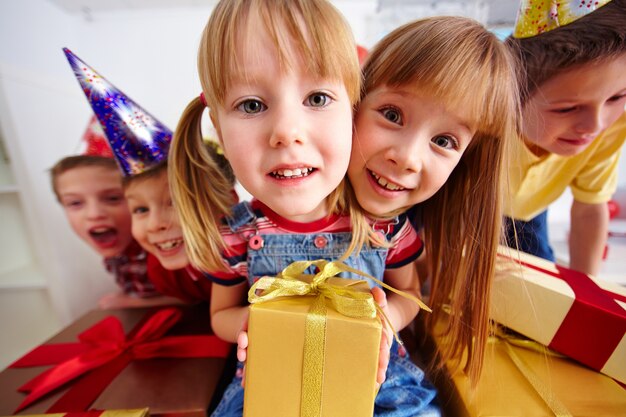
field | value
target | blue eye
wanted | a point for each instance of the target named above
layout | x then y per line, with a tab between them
139	210
564	110
392	115
73	203
617	98
114	199
251	106
445	142
318	100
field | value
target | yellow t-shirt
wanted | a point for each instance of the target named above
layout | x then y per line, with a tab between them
535	182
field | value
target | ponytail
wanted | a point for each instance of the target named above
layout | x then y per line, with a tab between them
201	193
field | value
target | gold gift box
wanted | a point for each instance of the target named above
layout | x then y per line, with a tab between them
274	367
505	390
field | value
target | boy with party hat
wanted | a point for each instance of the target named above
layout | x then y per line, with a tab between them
89	188
572	75
140	145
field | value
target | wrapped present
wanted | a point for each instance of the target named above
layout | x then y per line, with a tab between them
140	412
568	311
313	344
166	359
523	378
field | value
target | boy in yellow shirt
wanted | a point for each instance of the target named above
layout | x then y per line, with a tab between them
572	59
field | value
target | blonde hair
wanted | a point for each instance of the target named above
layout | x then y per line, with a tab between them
459	62
321	36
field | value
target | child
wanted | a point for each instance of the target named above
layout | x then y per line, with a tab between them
438	105
156	226
282	107
573	84
140	144
89	188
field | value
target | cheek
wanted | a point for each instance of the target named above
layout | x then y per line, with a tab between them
613	114
530	118
139	230
366	139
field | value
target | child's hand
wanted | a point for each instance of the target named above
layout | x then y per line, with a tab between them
386	338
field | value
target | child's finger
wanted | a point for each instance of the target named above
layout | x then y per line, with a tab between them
380	297
242	346
383	361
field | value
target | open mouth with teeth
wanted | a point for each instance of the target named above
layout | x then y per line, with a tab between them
383	182
169	245
103	235
291	173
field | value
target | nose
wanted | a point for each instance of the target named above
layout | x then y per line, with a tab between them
590	123
157	220
287	126
407	155
95	210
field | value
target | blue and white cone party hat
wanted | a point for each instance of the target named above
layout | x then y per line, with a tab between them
138	140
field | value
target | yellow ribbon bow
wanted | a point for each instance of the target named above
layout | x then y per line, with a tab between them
346	301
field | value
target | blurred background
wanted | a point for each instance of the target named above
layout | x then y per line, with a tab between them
146	48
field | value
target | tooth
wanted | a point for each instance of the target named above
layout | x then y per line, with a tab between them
382	181
287	173
297	171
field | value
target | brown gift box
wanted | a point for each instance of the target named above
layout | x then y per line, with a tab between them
168	386
504	390
274	369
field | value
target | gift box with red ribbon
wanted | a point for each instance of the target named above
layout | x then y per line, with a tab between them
141	412
575	314
166	359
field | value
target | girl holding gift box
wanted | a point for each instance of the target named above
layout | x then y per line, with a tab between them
572	74
438	110
280	80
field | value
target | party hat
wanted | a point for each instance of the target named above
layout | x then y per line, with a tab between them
138	140
539	16
362	52
94	141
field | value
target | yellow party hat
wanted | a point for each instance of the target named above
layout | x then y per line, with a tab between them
539	16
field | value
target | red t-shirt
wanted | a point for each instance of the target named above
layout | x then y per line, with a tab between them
187	284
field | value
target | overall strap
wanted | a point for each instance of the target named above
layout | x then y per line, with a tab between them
242	215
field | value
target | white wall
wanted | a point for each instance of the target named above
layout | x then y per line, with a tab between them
42	115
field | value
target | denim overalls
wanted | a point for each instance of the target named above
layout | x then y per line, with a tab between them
405	392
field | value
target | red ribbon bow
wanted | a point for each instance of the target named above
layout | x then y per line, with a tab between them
106	344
